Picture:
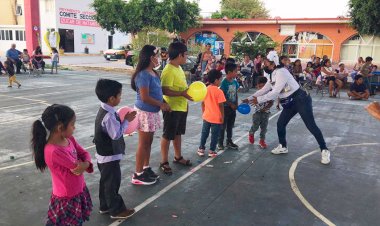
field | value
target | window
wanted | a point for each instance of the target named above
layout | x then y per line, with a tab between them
303	45
20	35
6	35
363	46
18	10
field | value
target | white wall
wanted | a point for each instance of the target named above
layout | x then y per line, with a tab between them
47	21
101	36
6	44
121	39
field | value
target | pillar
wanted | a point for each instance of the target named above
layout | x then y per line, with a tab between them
32	24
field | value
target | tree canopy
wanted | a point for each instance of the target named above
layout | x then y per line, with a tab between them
365	16
241	9
135	15
252	48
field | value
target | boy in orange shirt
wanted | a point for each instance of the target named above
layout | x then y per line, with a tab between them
213	113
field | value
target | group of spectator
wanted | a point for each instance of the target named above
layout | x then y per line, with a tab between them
18	59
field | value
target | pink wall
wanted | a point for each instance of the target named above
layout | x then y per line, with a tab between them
32	21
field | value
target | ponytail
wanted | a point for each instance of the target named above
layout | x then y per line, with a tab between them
52	116
38	143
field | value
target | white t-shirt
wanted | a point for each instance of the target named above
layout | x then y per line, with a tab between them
282	85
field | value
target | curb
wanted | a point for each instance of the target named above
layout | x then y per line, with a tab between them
107	69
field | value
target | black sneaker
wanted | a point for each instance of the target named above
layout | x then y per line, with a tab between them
143	179
151	173
231	145
220	147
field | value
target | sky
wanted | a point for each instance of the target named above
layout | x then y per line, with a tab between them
291	8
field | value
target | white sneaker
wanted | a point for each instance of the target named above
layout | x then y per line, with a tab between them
279	150
325	156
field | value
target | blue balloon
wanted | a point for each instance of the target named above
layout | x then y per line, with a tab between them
244	109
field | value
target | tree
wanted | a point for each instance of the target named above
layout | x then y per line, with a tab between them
365	16
135	15
245	46
179	15
241	9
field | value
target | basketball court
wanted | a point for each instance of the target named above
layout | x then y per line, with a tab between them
245	187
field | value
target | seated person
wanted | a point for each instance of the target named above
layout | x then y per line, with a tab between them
37	58
342	73
374	68
330	76
26	59
358	91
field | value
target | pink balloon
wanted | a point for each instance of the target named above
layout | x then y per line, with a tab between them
132	126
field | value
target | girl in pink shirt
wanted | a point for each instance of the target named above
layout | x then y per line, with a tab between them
70	202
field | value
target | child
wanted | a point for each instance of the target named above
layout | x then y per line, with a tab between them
260	117
70	202
213	113
230	87
54	60
308	71
26	59
11	73
109	143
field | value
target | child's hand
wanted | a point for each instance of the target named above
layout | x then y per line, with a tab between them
81	167
278	106
165	107
130	116
233	106
184	94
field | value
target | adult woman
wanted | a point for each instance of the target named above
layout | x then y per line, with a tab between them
297	69
257	65
358	65
331	78
246	68
149	100
206	56
37	58
293	100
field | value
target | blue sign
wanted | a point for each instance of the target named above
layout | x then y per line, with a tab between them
206	39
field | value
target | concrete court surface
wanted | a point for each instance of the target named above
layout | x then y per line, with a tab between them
246	187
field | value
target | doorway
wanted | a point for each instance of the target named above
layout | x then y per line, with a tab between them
110	41
67	40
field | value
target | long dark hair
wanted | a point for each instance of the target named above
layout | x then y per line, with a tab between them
50	119
38	50
144	60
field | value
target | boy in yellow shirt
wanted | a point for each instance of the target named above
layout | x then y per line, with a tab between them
174	88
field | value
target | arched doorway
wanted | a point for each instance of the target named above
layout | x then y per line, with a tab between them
302	45
198	40
250	43
360	46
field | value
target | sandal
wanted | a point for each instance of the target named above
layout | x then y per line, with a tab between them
182	161
166	168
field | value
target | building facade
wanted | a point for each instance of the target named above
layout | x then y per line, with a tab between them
32	21
297	38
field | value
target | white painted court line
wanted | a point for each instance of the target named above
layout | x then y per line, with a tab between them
19	105
179	180
29	99
298	193
30	162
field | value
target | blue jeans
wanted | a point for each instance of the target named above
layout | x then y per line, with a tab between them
215	128
303	106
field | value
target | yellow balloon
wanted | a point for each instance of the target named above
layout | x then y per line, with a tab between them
197	91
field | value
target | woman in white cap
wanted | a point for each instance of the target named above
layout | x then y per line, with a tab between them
294	100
